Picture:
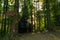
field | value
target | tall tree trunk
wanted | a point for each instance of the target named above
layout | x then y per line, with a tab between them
23	21
5	9
0	11
16	9
48	15
44	10
13	30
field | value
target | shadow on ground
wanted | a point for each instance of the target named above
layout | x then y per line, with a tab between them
39	36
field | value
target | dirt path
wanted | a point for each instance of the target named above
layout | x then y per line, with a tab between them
39	36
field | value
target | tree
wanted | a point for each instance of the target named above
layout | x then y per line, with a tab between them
15	21
46	9
56	11
5	9
26	12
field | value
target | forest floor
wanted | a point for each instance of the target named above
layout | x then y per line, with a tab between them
39	36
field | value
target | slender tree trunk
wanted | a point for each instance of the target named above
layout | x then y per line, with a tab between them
16	9
5	9
48	15
44	15
13	30
0	10
31	19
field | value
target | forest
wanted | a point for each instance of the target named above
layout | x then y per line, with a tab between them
28	16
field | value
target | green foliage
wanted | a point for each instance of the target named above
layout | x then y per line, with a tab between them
28	9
